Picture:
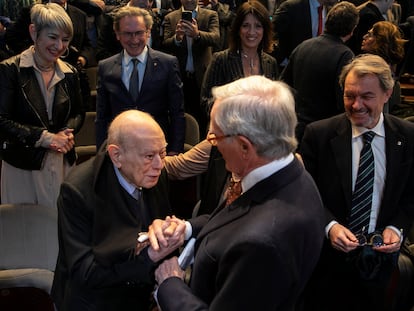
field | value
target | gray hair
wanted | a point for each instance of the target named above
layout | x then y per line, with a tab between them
366	64
131	11
51	15
261	110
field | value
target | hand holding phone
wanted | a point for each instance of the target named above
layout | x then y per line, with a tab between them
187	16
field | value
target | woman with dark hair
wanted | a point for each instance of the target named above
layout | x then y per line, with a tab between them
250	41
385	39
40	111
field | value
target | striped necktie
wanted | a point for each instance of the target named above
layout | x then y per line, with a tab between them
362	195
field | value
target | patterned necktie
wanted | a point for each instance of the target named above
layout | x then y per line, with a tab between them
233	191
362	195
320	19
134	80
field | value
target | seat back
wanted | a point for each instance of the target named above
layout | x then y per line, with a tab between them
29	246
192	132
28	236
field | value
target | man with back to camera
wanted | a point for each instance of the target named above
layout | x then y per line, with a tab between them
256	251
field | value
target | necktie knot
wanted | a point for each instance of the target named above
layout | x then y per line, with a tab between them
368	137
233	191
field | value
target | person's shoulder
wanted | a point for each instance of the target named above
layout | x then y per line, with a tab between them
399	124
110	60
329	124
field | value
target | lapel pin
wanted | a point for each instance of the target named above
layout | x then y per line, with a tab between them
399	143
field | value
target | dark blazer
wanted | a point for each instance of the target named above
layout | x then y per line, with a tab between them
98	228
161	95
326	152
369	14
226	66
23	114
292	23
313	72
208	25
256	254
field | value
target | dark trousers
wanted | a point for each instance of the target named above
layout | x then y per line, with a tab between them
192	105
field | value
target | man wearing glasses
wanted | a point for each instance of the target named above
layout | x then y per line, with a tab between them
255	251
140	78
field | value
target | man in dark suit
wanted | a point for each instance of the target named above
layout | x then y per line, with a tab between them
258	251
103	206
322	57
192	42
160	87
352	275
296	21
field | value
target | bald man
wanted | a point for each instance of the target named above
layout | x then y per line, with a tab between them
103	206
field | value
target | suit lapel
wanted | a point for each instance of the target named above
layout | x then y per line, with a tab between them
342	150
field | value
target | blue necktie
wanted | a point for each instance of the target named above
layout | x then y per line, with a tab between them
134	80
362	195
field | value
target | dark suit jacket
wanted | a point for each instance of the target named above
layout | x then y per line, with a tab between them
369	14
161	95
226	67
208	25
326	152
313	71
292	23
256	254
98	228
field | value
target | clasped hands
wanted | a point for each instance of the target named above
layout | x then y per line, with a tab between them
165	236
63	141
344	240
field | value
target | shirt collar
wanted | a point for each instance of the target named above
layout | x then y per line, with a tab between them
265	171
377	129
314	4
130	188
141	57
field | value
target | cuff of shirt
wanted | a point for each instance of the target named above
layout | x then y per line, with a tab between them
188	230
397	231
45	140
328	227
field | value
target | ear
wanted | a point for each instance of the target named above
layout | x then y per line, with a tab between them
32	31
115	154
246	146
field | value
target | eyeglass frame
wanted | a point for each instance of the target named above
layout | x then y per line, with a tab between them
132	34
213	140
373	239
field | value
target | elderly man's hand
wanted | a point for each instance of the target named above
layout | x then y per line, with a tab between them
169	268
164	232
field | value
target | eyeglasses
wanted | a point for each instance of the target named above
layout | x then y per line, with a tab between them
373	239
213	139
130	35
